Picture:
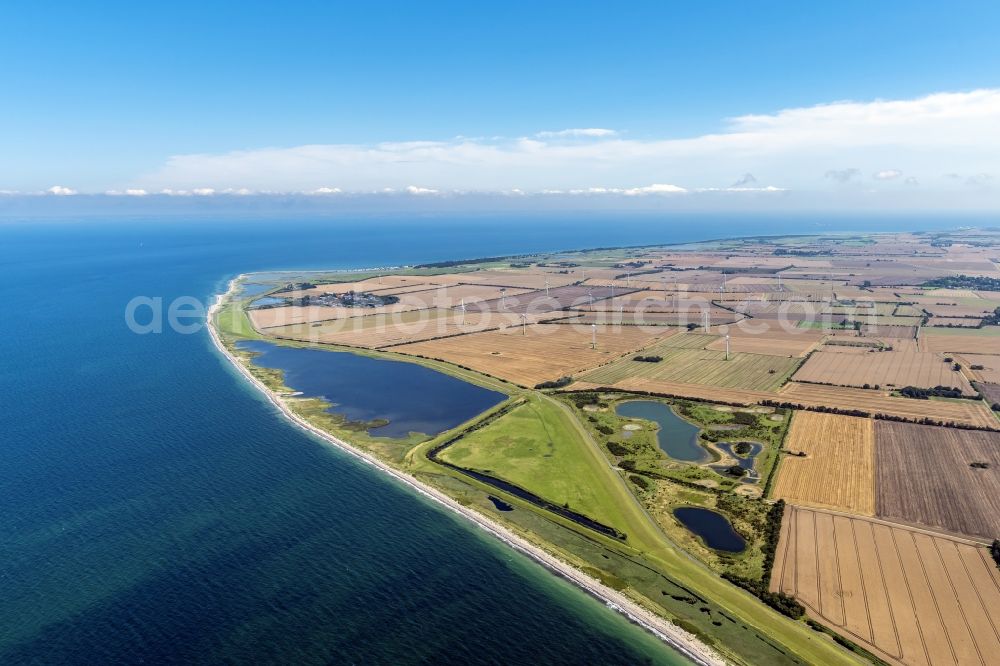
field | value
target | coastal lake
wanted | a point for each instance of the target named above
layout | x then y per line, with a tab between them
411	397
676	437
713	528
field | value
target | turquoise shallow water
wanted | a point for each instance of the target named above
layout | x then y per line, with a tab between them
156	509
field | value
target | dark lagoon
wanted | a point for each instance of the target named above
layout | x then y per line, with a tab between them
714	528
677	438
411	397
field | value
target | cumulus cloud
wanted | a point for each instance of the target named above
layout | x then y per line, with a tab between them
588	132
60	191
887	174
923	137
129	192
842	175
413	189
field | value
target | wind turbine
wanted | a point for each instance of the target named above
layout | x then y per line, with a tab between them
593	331
704	318
628	278
463	312
727	346
503	294
524	324
546	286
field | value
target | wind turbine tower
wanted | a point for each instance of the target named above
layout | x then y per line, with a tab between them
593	331
727	346
704	318
524	325
503	294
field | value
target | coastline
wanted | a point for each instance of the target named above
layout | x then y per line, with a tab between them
677	638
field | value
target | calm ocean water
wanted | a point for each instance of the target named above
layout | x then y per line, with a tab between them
155	509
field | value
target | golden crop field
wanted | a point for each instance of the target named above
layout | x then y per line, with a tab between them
716	318
892	369
909	597
990	370
970	412
546	352
754	337
984	340
384	330
838	470
756	372
528	279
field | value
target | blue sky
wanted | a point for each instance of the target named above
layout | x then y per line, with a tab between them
99	100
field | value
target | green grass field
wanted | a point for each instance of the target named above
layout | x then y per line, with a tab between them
537	447
701	366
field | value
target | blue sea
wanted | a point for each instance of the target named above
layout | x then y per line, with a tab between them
156	509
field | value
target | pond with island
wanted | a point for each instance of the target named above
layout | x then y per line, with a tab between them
745	455
400	397
676	437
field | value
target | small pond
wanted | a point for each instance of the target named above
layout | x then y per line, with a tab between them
676	437
266	301
410	397
713	528
747	461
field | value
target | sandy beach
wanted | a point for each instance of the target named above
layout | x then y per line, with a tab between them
666	631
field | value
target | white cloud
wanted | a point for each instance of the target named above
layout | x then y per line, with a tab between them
326	190
656	188
203	191
413	189
130	192
887	174
923	138
61	191
588	132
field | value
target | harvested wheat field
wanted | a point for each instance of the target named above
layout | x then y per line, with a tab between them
384	330
756	337
546	352
987	366
954	322
967	412
985	340
909	597
837	470
626	318
924	475
891	368
756	372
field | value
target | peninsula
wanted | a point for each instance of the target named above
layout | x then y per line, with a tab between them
763	450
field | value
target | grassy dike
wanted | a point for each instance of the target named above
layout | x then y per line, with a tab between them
647	567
